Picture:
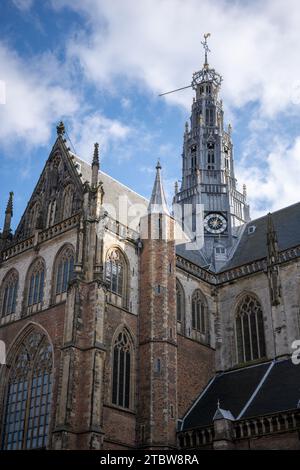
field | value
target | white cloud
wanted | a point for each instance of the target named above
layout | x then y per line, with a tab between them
96	128
23	5
33	100
254	45
156	44
275	185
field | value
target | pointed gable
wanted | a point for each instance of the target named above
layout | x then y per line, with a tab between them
57	195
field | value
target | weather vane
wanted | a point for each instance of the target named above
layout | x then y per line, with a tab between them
205	46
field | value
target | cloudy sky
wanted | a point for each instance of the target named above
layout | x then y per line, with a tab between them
100	64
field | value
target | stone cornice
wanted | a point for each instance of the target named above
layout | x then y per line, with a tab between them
255	266
40	237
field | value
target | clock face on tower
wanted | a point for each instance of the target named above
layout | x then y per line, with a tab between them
215	223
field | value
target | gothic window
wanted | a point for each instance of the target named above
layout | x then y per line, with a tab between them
35	286
63	273
9	293
179	301
28	395
68	201
51	213
198	313
122	368
33	218
116	274
250	335
209	116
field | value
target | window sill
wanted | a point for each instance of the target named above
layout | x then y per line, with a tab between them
130	411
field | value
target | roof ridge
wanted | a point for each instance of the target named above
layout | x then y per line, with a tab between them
262	381
272	213
114	179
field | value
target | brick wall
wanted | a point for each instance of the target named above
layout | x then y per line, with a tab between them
196	365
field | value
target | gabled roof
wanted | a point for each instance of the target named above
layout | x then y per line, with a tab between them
70	175
114	192
256	390
194	256
253	243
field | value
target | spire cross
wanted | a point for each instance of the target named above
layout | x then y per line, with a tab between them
205	46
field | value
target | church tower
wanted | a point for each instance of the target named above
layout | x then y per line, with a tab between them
208	198
157	402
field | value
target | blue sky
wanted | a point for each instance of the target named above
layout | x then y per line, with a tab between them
99	65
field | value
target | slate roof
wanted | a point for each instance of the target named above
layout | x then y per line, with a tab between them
253	246
193	256
114	190
256	390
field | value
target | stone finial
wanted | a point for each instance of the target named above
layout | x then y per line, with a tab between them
176	187
8	215
96	154
229	129
60	129
9	207
95	165
244	191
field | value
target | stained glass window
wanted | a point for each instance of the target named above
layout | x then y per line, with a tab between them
250	335
65	270
115	267
36	282
122	356
198	313
179	302
9	292
28	396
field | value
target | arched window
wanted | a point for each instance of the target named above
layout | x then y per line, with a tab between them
116	276
9	292
199	313
32	218
64	271
250	335
28	395
121	370
51	213
35	286
180	307
68	201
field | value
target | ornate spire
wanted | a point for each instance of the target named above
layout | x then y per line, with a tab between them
9	207
273	258
206	48
158	202
176	187
271	241
206	74
8	215
60	129
96	154
95	165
